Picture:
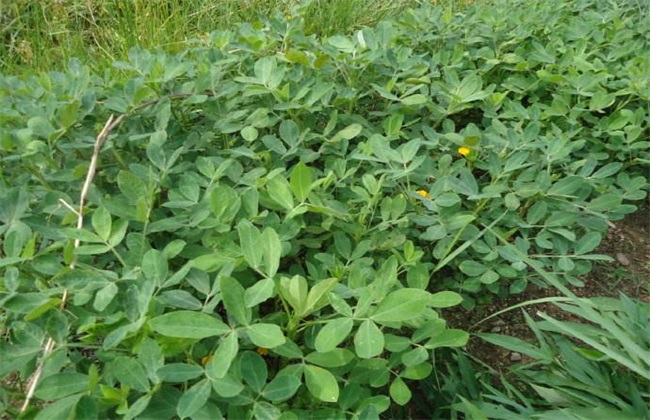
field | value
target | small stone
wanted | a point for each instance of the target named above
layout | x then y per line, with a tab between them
515	357
622	259
496	329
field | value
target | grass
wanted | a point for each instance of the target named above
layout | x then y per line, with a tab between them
44	35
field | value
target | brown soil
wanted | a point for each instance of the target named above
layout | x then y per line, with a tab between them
627	242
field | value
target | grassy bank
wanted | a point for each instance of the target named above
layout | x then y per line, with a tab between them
44	35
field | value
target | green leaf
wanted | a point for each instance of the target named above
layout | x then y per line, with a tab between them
259	292
130	372
218	366
194	399
250	202
588	243
605	202
512	201
369	340
539	53
154	267
134	410
105	296
249	240
232	294
415	356
266	335
179	372
333	334
101	222
294	291
92	249
617	121
339	305
254	370
155	152
289	349
280	192
281	388
417	372
333	358
212	262
608	170
472	268
62	385
489	277
249	133
10	261
178	276
565	187
132	186
118	335
393	124
289	132
27	302
348	133
151	356
402	305
443	200
265	411
342	43
173	248
417	99
265	71
271	251
445	299
60	409
399	392
321	383
163	404
188	324
301	181
225	203
81	234
228	386
317	296
449	338
182	299
601	100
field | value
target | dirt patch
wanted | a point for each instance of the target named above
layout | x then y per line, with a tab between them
627	242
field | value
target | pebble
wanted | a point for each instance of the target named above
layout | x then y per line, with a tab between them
515	357
622	259
498	324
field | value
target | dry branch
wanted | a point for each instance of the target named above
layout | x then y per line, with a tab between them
109	126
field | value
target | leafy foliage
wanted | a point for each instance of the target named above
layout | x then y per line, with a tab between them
275	219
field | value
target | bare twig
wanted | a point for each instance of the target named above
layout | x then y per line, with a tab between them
49	345
111	124
68	206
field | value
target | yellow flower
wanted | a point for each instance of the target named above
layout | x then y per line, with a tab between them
206	359
262	351
465	151
423	193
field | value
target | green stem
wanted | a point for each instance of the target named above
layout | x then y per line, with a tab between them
117	255
454	241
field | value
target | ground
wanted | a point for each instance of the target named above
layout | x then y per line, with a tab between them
627	242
